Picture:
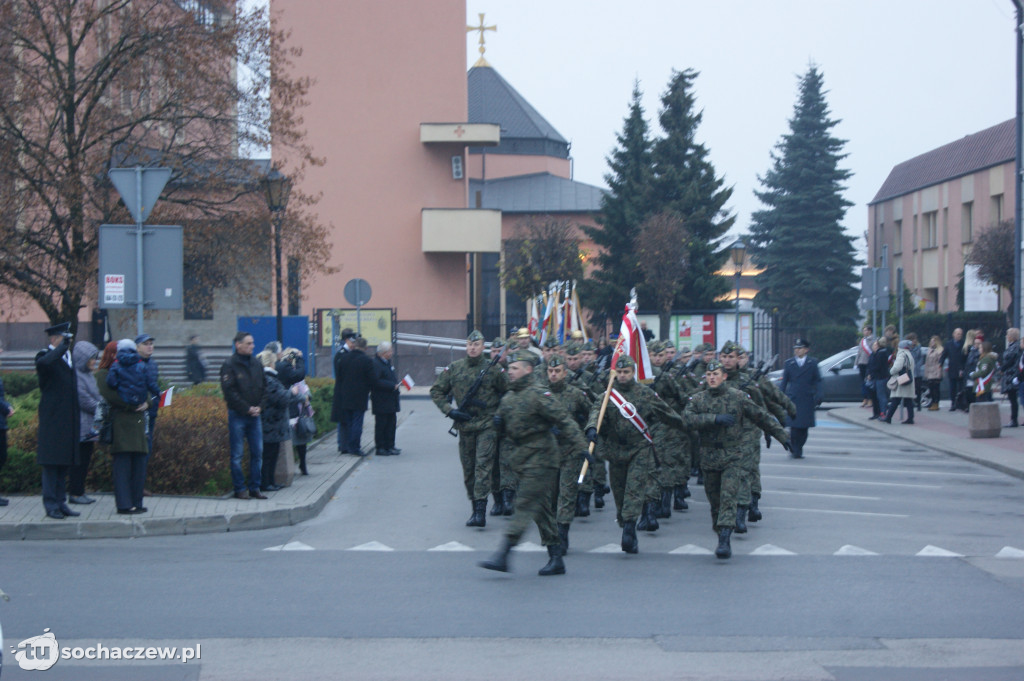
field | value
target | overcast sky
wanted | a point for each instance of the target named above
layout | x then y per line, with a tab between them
903	76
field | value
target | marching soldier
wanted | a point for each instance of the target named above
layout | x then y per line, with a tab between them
503	480
525	418
580	376
473	415
721	413
675	464
751	461
627	443
573	499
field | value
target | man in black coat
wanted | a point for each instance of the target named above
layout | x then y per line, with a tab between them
953	352
384	401
352	384
58	437
801	381
243	383
348	337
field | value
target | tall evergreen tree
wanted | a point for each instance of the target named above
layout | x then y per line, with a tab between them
623	209
808	260
686	185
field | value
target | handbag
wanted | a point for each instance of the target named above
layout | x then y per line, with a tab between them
892	383
305	428
903	378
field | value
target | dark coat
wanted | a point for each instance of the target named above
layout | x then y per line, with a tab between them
290	372
274	415
955	354
803	386
5	407
242	383
195	367
878	365
129	424
384	397
352	384
1008	365
59	427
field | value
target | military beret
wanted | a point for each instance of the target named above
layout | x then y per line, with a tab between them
684	349
556	361
714	365
475	336
706	347
498	342
625	362
728	347
589	346
655	347
667	345
551	342
573	349
524	356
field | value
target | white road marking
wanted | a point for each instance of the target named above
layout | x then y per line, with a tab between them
938	552
371	546
691	550
851	550
452	546
607	548
1010	552
849	482
903	471
771	550
820	494
828	510
528	546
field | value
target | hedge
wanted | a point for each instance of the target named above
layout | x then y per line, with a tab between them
190	449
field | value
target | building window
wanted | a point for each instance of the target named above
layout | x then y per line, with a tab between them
997	209
930	232
945	226
897	238
879	240
967	223
913	236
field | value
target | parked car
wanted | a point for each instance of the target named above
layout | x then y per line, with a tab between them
840	378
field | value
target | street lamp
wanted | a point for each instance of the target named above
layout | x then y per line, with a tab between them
277	186
738	251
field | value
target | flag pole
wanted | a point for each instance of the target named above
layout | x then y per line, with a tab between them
604	406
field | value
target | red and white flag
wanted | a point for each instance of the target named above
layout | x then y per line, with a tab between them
166	396
634	345
408	382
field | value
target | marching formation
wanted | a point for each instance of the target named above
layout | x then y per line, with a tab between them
546	432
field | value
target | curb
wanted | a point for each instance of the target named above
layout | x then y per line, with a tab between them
973	458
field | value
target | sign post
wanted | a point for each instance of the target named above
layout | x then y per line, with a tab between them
139	189
358	292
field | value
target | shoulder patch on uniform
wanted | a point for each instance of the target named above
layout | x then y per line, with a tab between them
548	393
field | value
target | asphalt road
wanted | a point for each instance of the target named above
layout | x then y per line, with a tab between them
875	560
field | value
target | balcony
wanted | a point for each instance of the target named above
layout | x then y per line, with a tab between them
461	230
462	134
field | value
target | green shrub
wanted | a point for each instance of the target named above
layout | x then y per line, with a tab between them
321	395
19	382
828	340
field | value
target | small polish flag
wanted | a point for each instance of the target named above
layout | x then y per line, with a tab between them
408	382
165	397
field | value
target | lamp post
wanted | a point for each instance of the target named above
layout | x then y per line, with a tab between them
738	251
277	186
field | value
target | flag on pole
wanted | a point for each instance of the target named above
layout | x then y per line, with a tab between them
633	344
550	322
166	396
408	382
534	322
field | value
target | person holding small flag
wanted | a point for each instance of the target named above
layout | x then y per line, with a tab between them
384	401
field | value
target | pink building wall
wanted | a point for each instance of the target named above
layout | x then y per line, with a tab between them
511	165
381	69
932	272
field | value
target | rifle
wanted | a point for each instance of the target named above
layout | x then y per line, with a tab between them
469	399
764	367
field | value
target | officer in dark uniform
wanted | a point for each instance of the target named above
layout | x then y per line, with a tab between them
801	381
58	437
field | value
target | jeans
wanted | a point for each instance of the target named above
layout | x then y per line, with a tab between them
128	469
251	429
883	395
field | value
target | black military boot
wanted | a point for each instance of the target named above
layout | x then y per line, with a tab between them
741	520
509	497
479	517
664	509
754	514
629	542
499	561
499	504
724	550
648	521
700	477
599	496
563	537
582	504
681	493
555	564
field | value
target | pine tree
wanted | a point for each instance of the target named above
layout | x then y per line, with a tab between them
623	209
798	238
686	185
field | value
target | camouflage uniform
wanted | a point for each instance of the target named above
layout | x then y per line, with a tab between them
503	480
673	446
630	456
527	417
477	441
751	460
578	406
723	446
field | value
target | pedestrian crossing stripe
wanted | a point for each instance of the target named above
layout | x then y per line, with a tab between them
372	546
1010	552
771	550
528	546
691	550
851	550
452	546
291	546
607	548
938	552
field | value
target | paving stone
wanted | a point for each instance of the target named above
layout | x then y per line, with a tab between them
97	529
155	527
9	531
240	522
278	517
55	529
206	523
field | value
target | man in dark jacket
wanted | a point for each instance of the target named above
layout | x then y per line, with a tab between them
352	386
801	381
348	338
384	400
195	365
1008	367
58	436
954	354
144	344
243	384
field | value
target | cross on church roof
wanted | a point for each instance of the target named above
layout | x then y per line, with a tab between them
481	28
